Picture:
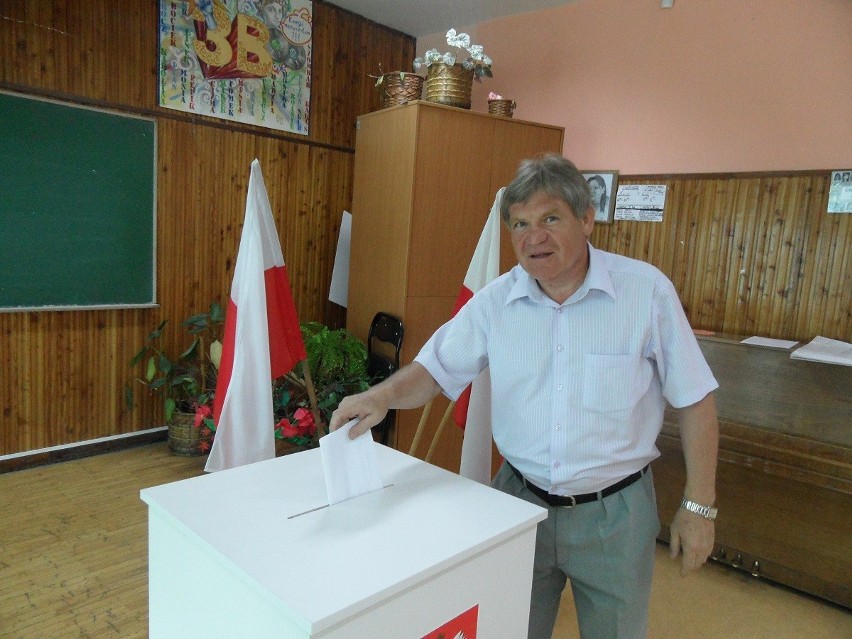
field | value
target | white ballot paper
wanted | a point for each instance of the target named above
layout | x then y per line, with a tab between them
350	466
770	342
823	349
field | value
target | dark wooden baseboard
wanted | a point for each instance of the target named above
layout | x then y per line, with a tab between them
78	451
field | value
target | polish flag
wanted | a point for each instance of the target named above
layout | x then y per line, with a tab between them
262	340
473	408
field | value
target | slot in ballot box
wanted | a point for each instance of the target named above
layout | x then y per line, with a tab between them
256	552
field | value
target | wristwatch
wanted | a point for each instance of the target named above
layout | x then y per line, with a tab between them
708	512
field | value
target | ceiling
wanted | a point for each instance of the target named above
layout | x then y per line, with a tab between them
425	17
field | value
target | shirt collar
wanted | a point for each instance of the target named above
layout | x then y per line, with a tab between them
597	277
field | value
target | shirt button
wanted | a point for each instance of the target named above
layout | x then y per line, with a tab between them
558	427
559	387
559	348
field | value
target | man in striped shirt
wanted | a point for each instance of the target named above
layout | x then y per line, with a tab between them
584	349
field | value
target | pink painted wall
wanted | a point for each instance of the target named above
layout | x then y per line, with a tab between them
706	86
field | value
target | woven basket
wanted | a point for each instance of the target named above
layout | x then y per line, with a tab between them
183	435
501	107
400	88
450	85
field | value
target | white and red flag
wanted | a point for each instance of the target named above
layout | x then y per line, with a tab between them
262	340
473	408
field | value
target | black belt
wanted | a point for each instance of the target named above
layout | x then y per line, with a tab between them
572	500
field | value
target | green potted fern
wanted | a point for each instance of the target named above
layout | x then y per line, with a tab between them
337	363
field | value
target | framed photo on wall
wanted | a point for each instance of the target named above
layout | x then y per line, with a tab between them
603	185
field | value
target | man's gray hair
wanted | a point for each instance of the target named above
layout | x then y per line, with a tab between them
553	174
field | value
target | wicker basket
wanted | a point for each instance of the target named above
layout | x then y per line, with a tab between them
400	88
501	107
183	435
450	85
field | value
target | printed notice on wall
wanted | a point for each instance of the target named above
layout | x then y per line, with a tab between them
242	60
840	192
640	202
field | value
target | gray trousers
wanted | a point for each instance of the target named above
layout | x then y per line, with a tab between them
606	548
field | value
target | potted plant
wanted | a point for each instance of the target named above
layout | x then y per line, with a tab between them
398	87
337	365
337	362
448	78
186	382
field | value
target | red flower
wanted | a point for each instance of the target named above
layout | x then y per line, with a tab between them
200	413
204	446
305	420
286	428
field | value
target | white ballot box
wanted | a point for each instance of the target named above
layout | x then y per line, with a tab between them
256	552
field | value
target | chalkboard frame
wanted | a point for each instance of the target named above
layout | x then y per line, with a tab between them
78	206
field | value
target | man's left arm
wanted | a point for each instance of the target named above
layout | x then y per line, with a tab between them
691	533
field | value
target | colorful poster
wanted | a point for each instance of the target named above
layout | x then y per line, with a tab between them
461	627
242	60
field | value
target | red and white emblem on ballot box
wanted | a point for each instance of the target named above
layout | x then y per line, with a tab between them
461	627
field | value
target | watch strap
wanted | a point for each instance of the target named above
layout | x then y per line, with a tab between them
708	512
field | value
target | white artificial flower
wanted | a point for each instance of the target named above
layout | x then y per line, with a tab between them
215	353
432	55
462	40
475	51
449	59
486	61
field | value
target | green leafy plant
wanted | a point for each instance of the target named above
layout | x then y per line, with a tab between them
186	381
337	361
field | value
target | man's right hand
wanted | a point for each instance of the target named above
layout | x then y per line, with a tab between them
364	406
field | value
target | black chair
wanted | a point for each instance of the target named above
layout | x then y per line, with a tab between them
384	342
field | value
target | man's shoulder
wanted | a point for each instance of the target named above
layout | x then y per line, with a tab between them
630	267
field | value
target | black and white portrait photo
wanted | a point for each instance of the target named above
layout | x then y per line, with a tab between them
603	185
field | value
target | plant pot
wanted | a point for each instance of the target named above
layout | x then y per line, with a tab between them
184	437
449	84
400	88
501	107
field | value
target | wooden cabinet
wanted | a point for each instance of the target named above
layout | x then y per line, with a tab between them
784	482
425	180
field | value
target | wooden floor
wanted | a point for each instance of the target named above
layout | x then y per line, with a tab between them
73	563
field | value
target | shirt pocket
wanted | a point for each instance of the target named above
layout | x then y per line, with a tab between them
610	382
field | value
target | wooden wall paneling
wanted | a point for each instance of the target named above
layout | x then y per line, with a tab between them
749	255
351	48
80	52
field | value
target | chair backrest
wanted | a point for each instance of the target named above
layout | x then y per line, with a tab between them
384	342
386	329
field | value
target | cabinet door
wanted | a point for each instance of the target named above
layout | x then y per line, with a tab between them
381	216
452	198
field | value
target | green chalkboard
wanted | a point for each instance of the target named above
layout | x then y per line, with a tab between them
77	207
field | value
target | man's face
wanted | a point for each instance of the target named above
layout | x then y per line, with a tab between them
550	243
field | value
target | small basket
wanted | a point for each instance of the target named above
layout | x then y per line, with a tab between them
184	437
449	84
400	88
501	107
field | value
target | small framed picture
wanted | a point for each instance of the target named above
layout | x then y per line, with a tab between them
603	185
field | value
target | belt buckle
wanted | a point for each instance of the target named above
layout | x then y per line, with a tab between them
572	504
